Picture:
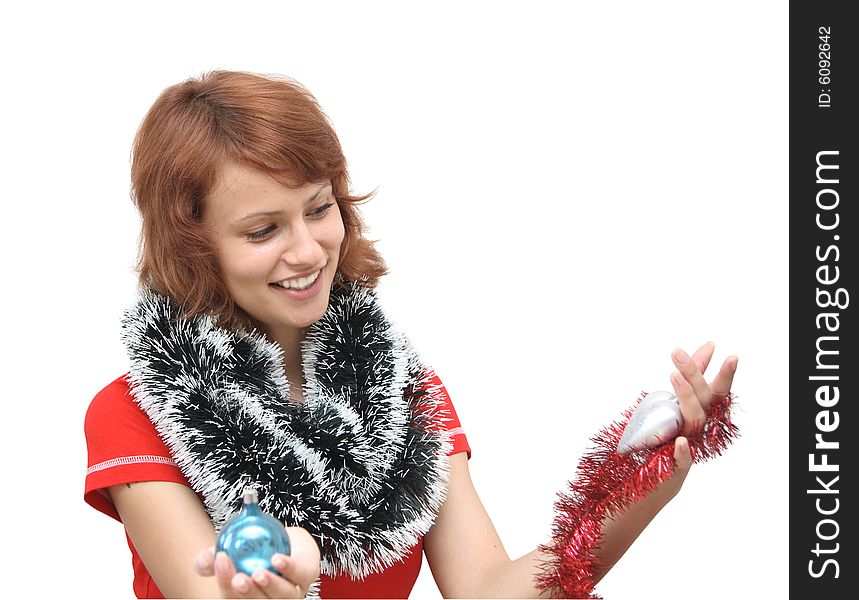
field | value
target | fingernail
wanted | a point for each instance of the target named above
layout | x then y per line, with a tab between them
680	356
220	568
261	577
734	364
240	583
677	379
278	561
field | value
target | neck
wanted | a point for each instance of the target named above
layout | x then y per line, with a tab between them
290	342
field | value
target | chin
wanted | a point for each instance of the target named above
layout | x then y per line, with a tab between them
311	315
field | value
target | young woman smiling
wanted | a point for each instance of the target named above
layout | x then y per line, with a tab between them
260	355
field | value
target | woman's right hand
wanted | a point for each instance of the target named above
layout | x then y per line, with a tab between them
298	571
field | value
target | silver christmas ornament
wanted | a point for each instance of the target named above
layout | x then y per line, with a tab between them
656	420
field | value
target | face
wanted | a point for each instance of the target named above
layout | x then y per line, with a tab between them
278	247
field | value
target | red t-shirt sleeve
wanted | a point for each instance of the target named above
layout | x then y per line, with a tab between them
123	447
451	420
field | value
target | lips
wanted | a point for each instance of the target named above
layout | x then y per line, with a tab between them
312	283
299	283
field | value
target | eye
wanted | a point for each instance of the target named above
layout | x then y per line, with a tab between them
261	234
321	211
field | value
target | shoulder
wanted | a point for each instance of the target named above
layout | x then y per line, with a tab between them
449	418
114	409
115	423
122	445
113	398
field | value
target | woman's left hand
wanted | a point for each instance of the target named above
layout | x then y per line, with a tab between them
695	394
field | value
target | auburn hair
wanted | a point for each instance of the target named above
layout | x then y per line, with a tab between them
193	129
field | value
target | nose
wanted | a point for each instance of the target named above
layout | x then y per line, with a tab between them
303	250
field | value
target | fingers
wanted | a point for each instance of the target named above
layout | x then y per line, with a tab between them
687	367
682	454
286	564
692	389
273	586
302	565
224	571
690	406
722	383
233	584
204	564
703	355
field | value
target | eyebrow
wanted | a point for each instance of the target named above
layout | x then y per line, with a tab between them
271	213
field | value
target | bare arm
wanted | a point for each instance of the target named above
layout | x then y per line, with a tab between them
169	528
465	553
468	560
463	549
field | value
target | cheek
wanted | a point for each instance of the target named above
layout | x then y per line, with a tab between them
244	264
335	233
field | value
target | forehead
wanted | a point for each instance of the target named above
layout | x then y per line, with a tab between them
240	190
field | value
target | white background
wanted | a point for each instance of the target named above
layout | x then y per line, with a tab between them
566	192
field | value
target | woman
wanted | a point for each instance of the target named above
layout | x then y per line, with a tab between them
259	355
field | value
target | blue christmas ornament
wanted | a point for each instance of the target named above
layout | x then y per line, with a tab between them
251	537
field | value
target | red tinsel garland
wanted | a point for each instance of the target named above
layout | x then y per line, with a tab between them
607	483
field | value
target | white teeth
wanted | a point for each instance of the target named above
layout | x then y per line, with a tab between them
299	284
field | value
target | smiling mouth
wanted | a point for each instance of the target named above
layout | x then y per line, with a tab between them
302	283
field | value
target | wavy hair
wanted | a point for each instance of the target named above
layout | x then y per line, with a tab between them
193	129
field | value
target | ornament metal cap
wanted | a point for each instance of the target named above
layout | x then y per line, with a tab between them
249	495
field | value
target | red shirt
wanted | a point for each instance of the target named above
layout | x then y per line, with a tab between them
124	447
